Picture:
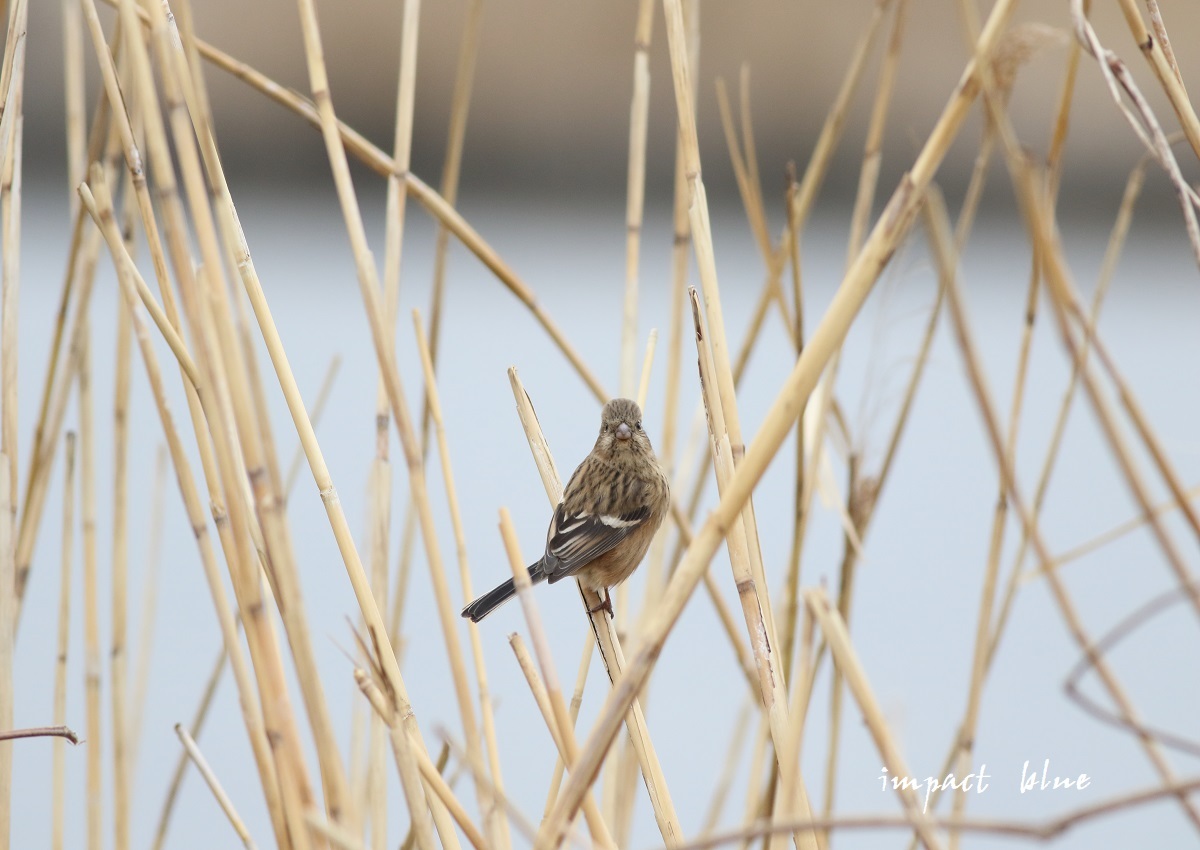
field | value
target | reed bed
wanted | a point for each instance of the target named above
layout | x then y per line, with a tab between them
152	207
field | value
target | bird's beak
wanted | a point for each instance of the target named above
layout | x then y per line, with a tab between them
623	432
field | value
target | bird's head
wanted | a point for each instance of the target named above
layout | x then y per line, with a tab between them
621	432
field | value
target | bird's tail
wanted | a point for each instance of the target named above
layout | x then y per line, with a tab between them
497	596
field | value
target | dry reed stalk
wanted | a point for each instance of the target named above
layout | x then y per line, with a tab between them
801	700
982	646
7	637
59	755
1158	53
456	134
80	153
519	820
743	544
280	562
1044	831
1066	300
706	266
623	772
680	252
229	530
497	825
859	508
835	121
435	204
121	123
541	697
1140	117
607	641
91	604
868	175
585	664
173	60
548	694
833	627
79	277
441	803
198	718
370	789
747	182
235	238
729	766
647	362
403	573
338	836
243	558
751	587
214	785
859	280
10	221
145	642
74	83
755	775
12	82
318	410
724	615
791	588
1112	252
117	661
635	191
1115	533
1030	200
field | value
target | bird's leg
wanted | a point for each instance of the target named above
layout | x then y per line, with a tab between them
606	605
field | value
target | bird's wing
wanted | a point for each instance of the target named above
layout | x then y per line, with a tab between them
577	539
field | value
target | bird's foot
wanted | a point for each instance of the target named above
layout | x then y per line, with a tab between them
606	605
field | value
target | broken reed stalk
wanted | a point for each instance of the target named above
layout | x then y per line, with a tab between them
605	632
198	718
59	755
443	804
557	720
585	664
885	236
727	438
214	785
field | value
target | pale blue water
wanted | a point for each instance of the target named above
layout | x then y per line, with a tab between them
918	585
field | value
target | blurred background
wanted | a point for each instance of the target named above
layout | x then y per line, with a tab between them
544	176
550	111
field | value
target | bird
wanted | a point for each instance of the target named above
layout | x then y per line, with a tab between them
611	508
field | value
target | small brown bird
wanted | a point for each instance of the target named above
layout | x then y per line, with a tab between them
610	509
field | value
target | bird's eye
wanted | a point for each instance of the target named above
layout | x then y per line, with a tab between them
638	425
